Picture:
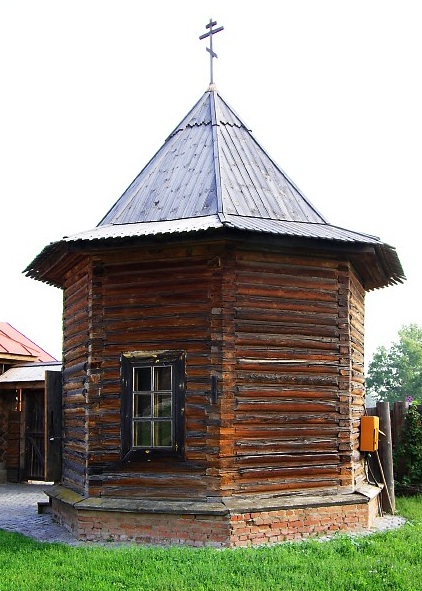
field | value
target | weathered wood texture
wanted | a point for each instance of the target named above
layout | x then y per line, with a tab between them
283	333
295	395
357	378
10	428
77	358
4	420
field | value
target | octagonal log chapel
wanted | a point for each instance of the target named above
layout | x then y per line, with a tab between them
213	351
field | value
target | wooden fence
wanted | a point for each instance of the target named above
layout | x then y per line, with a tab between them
398	412
381	463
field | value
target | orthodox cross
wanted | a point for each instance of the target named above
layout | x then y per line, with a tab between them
212	53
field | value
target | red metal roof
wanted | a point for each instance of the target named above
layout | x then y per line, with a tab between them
14	344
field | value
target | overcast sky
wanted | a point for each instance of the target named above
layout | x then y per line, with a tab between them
91	89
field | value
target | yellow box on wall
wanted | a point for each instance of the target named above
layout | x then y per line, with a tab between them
369	433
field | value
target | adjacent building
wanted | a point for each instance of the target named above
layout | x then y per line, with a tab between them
30	388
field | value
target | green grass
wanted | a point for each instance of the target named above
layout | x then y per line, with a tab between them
380	562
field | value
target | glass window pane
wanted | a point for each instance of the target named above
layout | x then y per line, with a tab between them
162	405
142	379
142	405
153	405
162	434
142	434
162	379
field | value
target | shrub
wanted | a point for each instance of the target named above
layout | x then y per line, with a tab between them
408	454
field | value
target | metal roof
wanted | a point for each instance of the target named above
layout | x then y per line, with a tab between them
16	345
212	173
211	164
29	372
266	226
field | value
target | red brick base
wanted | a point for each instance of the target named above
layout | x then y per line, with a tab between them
218	524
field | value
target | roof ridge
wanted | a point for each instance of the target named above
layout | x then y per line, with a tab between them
216	153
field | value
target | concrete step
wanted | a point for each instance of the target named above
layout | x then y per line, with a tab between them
3	472
44	507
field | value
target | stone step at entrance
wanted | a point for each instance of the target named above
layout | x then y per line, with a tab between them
3	473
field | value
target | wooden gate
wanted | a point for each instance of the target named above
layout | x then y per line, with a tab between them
42	425
53	426
34	464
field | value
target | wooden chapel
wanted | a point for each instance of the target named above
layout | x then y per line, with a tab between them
213	376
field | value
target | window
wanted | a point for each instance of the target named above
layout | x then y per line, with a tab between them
153	388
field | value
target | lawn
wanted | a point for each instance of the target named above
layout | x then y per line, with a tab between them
380	562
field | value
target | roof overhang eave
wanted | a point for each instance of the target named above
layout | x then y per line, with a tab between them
377	262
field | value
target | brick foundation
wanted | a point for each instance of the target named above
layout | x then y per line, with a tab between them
225	523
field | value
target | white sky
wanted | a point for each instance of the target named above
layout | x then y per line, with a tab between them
90	89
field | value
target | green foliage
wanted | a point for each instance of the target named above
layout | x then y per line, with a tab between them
408	455
387	561
395	374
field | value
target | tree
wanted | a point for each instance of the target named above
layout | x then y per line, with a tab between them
395	374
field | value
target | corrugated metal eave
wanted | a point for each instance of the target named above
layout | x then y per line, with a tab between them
387	255
32	372
179	226
299	229
197	224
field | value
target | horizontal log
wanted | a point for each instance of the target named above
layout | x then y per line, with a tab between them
311	342
272	302
287	279
292	294
283	378
289	316
308	329
293	418
268	391
288	460
305	263
286	405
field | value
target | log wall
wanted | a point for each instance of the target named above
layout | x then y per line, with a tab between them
159	299
77	359
293	416
357	378
282	333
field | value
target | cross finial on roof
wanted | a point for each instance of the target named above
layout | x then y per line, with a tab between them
212	53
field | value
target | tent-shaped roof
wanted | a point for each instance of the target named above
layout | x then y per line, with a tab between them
16	346
211	173
211	165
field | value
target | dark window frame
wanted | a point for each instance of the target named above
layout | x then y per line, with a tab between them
143	359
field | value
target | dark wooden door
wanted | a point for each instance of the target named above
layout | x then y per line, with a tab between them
43	430
34	435
53	395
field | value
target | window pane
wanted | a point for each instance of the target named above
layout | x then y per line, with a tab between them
162	434
162	378
142	434
162	405
142	379
142	405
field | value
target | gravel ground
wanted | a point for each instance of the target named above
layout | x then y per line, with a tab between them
19	513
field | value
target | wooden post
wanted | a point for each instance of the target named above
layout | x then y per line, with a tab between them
386	457
398	416
397	422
